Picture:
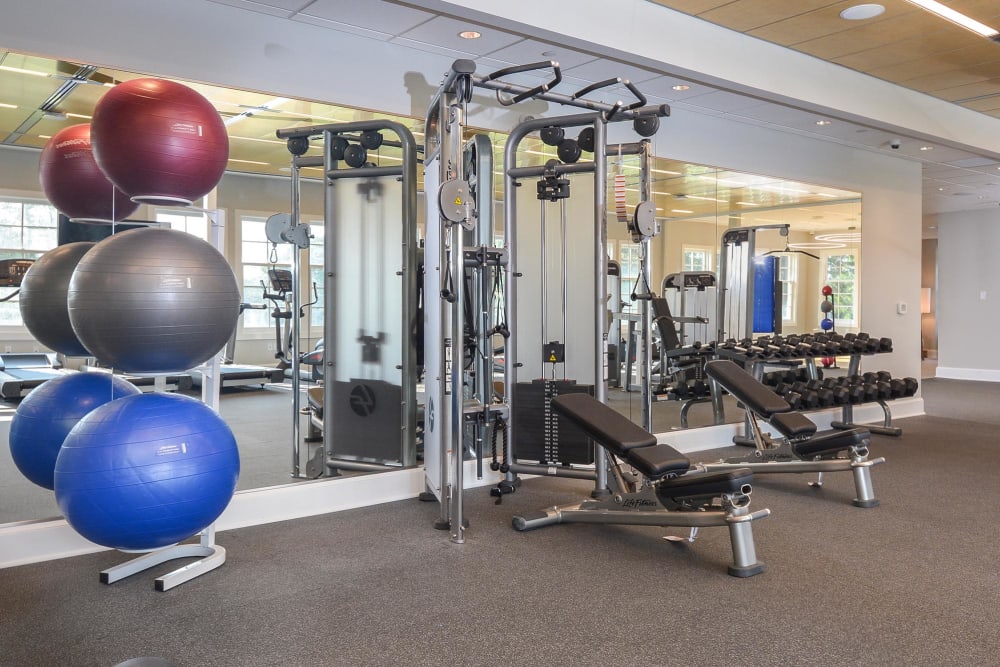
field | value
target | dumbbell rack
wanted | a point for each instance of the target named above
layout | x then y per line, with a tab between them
847	409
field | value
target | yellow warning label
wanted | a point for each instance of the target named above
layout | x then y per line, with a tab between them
458	201
552	358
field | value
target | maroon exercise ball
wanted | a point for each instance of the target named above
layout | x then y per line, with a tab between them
73	182
159	142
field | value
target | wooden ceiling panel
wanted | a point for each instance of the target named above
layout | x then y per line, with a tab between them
745	15
816	24
986	105
693	7
991	87
910	25
905	45
981	10
945	80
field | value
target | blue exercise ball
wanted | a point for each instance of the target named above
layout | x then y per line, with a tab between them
153	301
826	324
146	471
46	416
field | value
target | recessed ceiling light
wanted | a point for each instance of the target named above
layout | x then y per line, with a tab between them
680	210
4	105
470	34
926	148
940	189
931	226
680	86
958	19
823	122
862	12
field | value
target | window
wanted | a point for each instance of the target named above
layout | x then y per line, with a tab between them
841	275
192	222
27	230
257	255
787	273
629	260
696	258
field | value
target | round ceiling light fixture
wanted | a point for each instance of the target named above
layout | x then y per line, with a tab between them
862	12
470	34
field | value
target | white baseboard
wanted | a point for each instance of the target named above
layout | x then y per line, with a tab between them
35	541
978	374
28	542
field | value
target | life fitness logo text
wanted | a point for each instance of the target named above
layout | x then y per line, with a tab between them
363	400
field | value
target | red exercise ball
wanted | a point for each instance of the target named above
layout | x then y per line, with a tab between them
73	182
159	141
827	290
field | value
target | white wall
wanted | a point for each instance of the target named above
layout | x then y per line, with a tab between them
967	272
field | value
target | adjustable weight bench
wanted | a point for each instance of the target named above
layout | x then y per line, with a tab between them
668	494
801	448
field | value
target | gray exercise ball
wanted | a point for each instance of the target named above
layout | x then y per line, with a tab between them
153	301
43	299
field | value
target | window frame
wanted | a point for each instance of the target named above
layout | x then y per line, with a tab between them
824	270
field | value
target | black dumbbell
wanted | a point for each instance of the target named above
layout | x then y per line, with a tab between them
911	386
810	400
897	388
884	390
794	399
855	393
870	391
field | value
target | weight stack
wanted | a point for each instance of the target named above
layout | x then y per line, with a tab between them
542	435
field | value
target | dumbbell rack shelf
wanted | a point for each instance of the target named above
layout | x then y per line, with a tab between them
847	409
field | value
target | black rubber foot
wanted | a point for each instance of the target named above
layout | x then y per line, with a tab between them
598	494
442	524
158	585
748	571
105	578
865	503
744	441
427	497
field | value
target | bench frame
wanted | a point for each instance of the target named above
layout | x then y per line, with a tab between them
634	501
776	456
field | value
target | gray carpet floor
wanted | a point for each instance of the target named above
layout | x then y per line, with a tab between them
912	582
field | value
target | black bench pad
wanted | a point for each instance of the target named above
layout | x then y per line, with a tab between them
746	388
830	442
656	461
705	484
793	424
620	436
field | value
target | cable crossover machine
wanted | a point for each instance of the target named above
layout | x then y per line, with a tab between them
368	404
472	288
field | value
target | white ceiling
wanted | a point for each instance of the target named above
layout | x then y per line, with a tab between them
953	179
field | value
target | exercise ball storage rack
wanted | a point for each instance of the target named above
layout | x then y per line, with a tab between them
210	555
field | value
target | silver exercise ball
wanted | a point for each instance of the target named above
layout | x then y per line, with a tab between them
43	299
153	301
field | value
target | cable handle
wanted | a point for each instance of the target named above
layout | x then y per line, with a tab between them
518	69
